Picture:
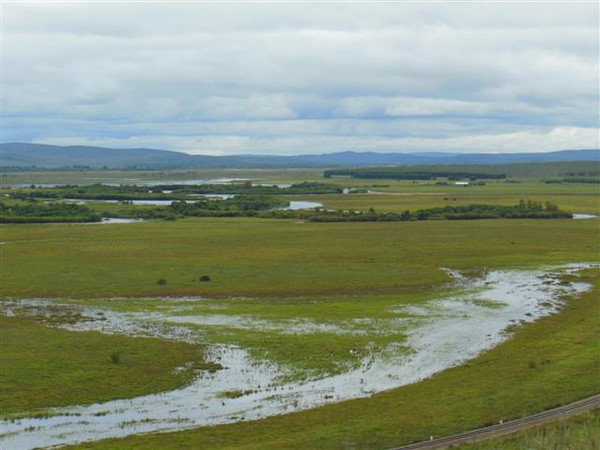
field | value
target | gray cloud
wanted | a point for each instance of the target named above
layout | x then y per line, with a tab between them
299	78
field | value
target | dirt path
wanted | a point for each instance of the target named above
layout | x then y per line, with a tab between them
501	429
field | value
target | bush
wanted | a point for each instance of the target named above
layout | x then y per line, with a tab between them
115	357
161	282
204	278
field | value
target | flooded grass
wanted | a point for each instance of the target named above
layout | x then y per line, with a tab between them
236	393
495	385
266	371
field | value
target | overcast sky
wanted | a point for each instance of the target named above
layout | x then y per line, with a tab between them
291	78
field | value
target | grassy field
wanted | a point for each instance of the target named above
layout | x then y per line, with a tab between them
391	195
42	367
580	433
252	257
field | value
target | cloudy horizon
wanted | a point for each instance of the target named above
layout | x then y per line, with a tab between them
303	78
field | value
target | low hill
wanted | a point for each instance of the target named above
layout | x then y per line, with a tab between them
52	156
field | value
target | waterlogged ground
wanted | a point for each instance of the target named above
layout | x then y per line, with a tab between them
399	344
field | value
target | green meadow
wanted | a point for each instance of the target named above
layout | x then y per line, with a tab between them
277	273
254	257
400	196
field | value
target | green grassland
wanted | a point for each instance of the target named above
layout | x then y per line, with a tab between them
547	363
254	257
580	432
405	195
42	367
280	270
398	202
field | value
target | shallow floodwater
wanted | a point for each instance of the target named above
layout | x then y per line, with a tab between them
133	181
132	202
109	220
442	333
584	216
213	196
296	205
188	182
279	185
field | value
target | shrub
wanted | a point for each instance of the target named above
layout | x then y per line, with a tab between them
115	357
161	282
204	278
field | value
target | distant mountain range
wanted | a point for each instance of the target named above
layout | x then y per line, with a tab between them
53	156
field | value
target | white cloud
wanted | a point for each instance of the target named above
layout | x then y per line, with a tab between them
428	106
286	77
522	141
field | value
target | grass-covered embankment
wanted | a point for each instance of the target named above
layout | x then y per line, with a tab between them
42	367
547	363
577	433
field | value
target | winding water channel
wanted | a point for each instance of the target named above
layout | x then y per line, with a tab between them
440	334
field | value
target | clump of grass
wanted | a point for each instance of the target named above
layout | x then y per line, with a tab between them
205	278
161	282
235	393
115	357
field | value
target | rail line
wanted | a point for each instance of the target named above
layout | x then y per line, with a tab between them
509	427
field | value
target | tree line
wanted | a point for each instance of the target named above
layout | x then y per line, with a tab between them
167	192
38	212
273	207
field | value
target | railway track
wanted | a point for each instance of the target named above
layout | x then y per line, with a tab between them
509	427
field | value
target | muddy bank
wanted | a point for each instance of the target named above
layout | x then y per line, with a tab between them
440	334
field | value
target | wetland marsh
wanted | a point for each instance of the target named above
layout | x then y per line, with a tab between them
289	318
299	225
423	339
